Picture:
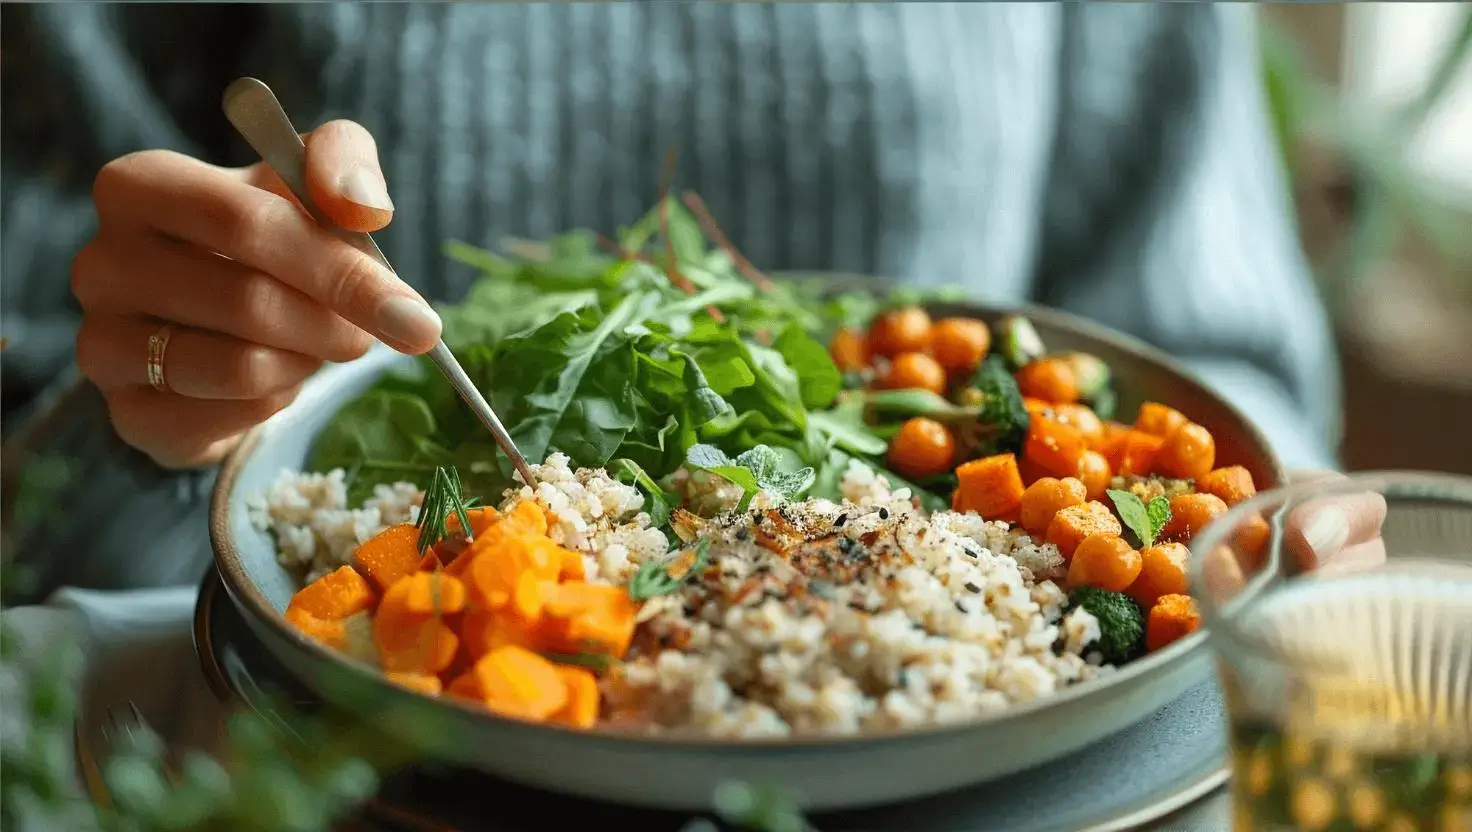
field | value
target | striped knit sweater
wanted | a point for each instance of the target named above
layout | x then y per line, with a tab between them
1109	159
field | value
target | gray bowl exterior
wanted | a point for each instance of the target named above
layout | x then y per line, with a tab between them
681	774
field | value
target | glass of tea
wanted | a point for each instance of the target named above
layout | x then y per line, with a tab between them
1348	687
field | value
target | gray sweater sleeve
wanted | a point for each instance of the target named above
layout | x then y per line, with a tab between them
1204	262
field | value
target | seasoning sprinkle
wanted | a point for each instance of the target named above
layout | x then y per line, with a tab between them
970	587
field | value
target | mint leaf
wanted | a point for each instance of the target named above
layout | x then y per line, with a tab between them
1158	510
1134	514
759	469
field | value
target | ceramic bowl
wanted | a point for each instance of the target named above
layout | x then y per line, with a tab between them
681	774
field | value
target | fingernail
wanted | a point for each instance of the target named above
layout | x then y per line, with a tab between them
408	321
1326	531
359	185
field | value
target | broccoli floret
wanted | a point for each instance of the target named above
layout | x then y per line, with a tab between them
1121	622
1002	419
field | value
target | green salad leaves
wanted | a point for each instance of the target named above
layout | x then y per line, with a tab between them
637	354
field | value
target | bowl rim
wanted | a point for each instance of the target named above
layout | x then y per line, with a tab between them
245	593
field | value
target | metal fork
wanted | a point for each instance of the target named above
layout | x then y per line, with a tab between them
257	114
127	725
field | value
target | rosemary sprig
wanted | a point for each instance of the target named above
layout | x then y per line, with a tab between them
443	499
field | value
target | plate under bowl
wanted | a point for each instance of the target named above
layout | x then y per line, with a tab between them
829	773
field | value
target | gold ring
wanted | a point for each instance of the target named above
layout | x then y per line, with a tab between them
158	342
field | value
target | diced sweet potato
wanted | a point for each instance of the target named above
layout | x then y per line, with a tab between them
516	682
581	710
1071	525
991	487
388	556
334	596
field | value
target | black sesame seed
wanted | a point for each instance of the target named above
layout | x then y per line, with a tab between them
842	518
883	513
971	553
960	606
742	535
972	587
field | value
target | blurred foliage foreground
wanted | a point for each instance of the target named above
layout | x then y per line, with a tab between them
282	771
1391	204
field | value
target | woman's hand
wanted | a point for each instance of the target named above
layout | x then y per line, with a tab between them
1338	533
1330	534
244	293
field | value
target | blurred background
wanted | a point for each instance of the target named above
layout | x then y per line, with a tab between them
1373	105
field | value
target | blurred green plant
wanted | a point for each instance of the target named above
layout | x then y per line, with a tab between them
1391	202
279	770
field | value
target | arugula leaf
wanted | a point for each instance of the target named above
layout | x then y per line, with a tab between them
657	501
564	385
1145	521
817	374
653	578
843	427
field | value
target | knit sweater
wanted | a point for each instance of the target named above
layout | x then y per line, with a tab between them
1109	159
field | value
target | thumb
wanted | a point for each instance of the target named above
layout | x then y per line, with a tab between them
344	178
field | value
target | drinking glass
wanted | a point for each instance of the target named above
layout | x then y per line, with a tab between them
1348	690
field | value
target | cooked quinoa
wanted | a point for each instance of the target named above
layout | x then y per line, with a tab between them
817	617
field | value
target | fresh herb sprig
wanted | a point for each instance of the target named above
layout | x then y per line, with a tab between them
443	499
654	579
755	470
1145	520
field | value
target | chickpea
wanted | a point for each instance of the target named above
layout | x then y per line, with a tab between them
959	344
1188	453
1104	560
1049	379
1085	420
1045	498
1163	571
1158	420
899	331
915	371
1233	484
1189	514
850	350
922	448
1094	473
